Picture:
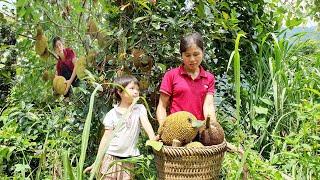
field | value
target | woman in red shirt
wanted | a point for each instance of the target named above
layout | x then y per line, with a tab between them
66	63
188	87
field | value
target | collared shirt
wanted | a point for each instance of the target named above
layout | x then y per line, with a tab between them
66	64
125	140
187	94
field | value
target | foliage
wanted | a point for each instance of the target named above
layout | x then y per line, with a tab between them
8	55
279	93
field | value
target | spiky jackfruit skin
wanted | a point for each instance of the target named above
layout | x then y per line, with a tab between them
41	42
178	126
102	39
92	28
91	57
45	75
59	84
195	144
45	55
81	67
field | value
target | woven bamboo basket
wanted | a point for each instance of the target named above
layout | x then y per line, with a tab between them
190	163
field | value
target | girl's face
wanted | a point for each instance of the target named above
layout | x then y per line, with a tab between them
59	48
192	57
132	92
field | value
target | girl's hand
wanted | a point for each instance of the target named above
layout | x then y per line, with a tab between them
88	169
156	138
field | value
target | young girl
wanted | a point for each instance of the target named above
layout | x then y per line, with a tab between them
123	145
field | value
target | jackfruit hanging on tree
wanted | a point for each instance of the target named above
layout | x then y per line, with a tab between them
102	39
92	28
80	66
91	57
41	45
144	83
59	84
137	54
178	126
45	55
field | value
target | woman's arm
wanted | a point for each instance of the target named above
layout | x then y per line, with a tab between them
147	127
73	76
209	109
162	107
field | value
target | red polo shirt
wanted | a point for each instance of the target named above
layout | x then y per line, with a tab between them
185	93
67	63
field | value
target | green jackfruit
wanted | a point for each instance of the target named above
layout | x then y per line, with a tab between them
81	65
178	126
59	84
41	42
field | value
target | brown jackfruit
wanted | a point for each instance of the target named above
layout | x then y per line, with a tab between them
102	39
91	57
144	83
137	55
212	135
45	75
178	126
92	28
59	84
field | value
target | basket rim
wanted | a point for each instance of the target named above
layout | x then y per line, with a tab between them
192	151
217	146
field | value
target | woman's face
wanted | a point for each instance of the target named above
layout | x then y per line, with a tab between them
59	48
192	58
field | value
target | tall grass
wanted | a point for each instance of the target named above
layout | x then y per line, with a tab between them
280	111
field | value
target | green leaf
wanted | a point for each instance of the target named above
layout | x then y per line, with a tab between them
266	101
315	137
197	123
225	15
162	67
156	145
21	3
139	18
21	167
260	110
68	174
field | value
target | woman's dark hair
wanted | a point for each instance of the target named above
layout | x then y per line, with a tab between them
123	81
55	40
188	39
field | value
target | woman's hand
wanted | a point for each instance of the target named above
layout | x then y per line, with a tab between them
68	82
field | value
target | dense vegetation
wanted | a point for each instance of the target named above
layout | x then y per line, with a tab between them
267	87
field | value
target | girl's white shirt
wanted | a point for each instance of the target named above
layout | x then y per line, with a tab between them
125	140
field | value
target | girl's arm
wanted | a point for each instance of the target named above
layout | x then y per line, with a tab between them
147	127
209	109
162	108
102	145
103	142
